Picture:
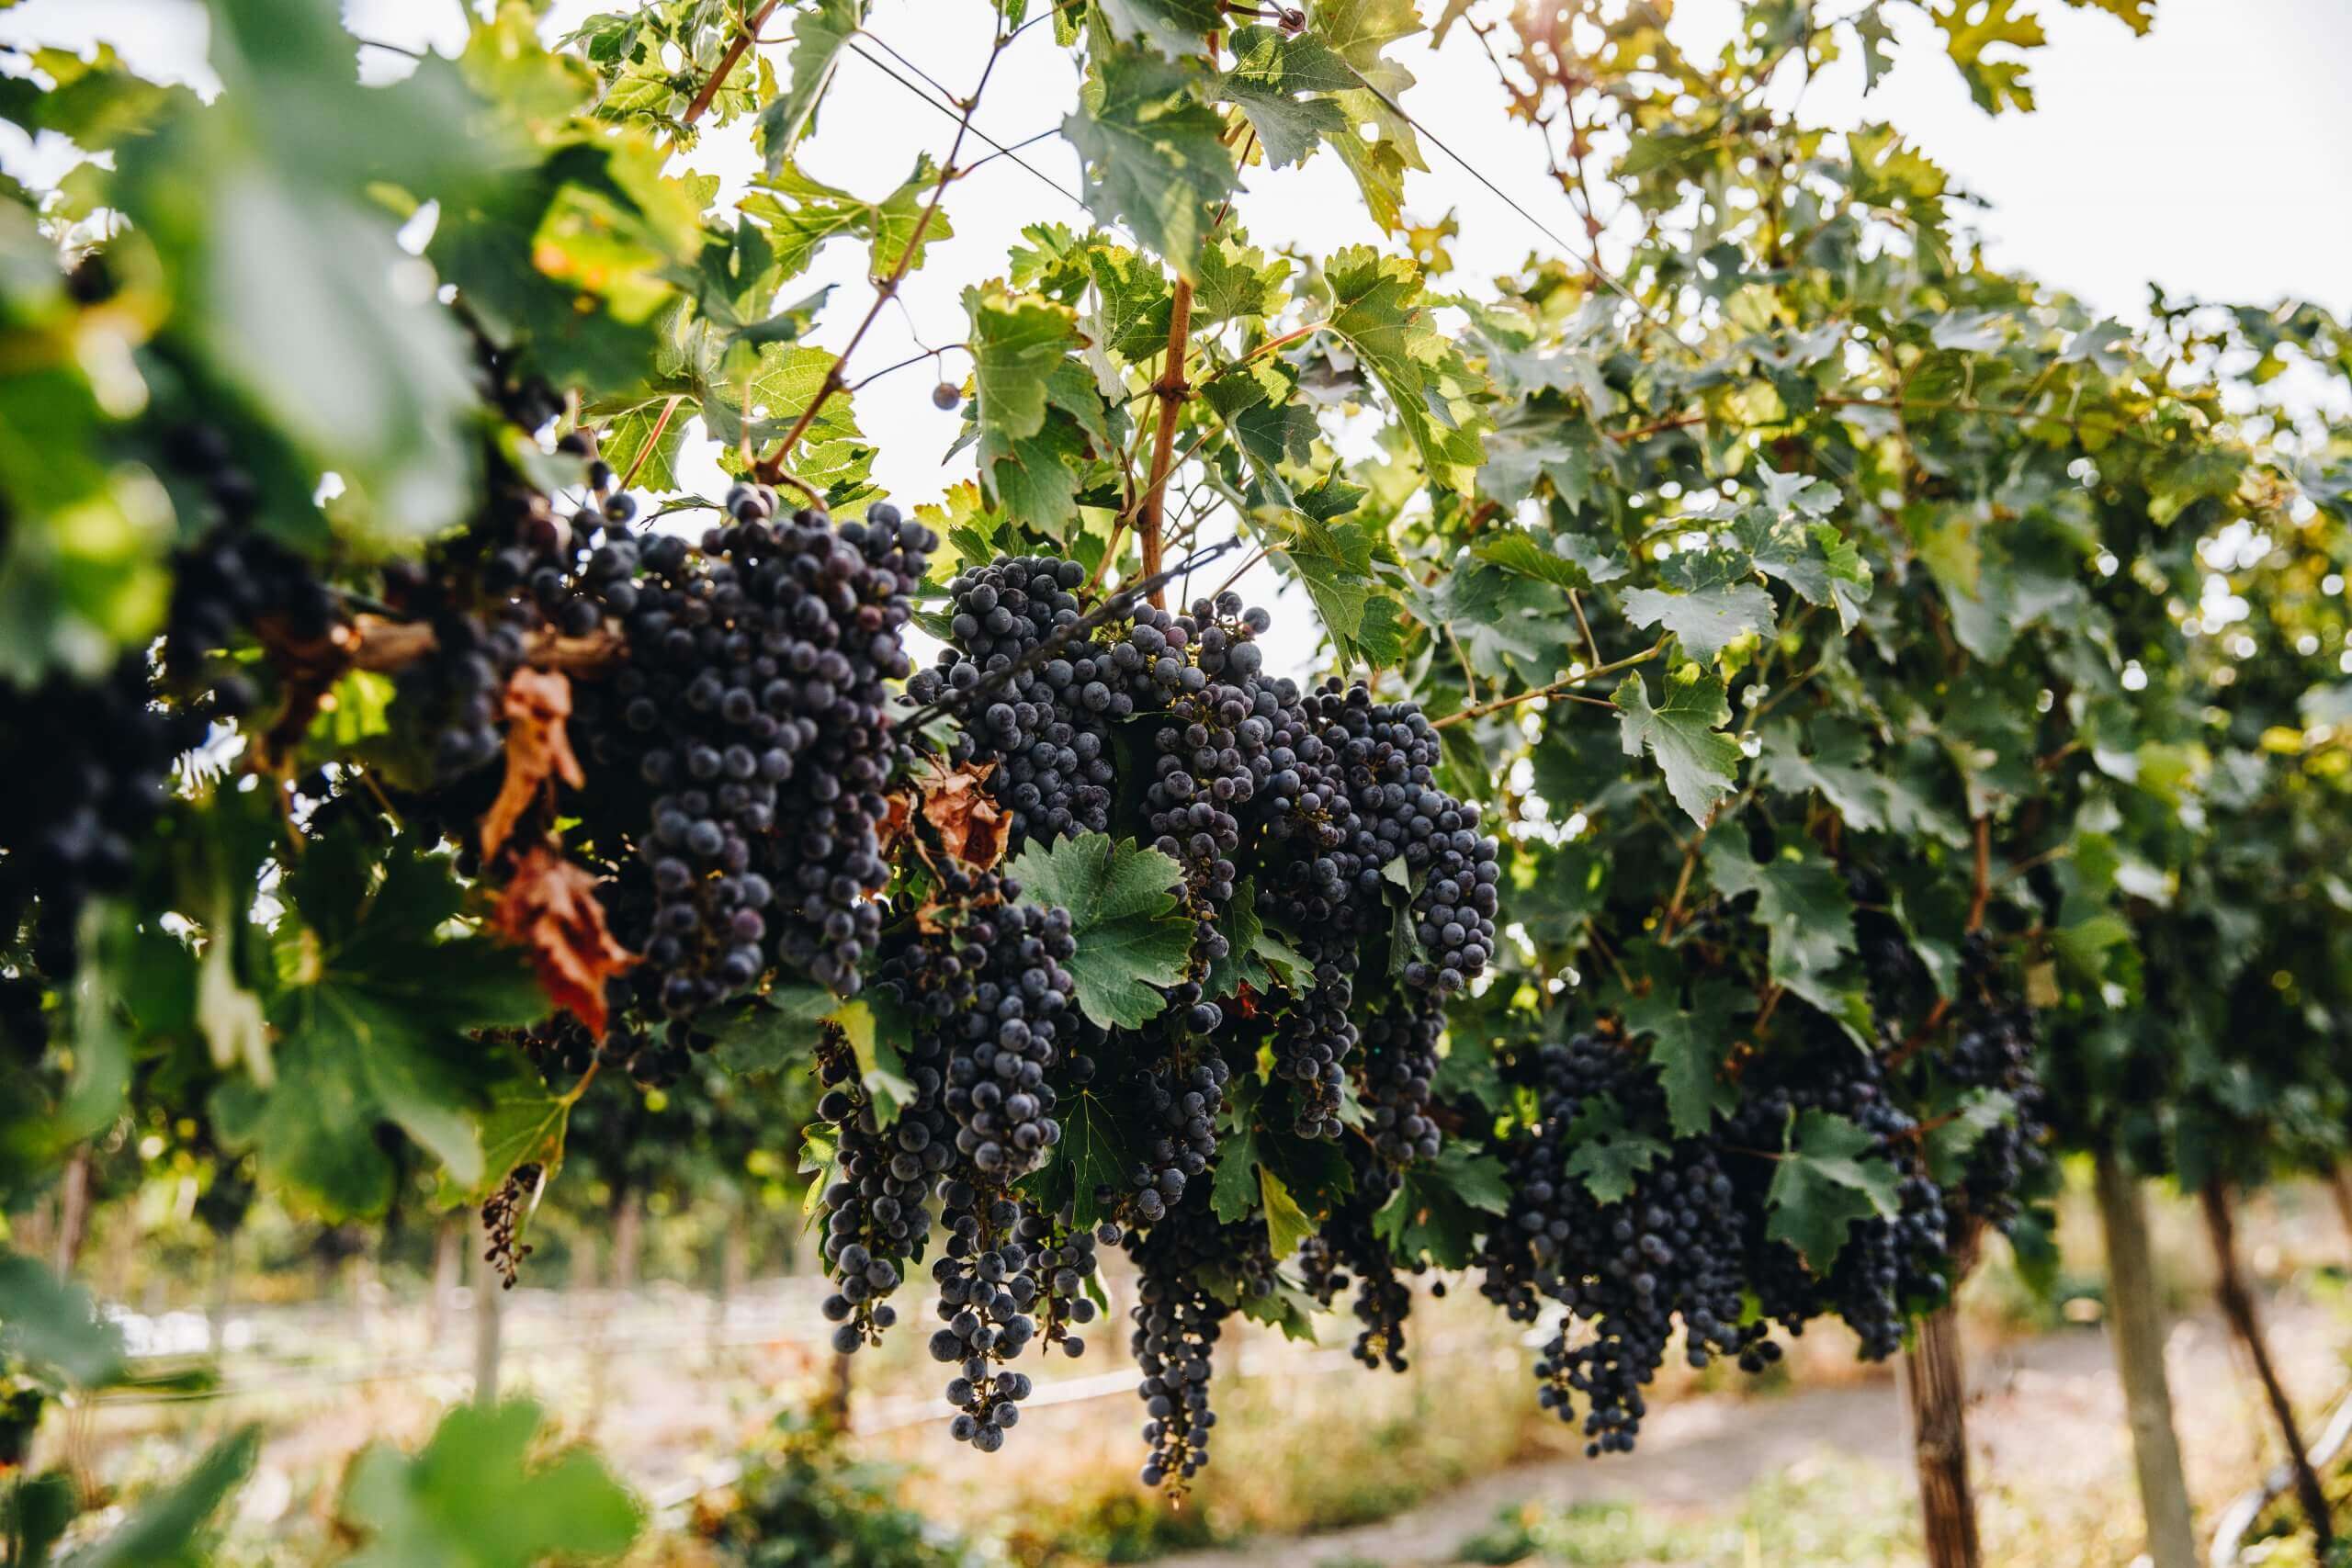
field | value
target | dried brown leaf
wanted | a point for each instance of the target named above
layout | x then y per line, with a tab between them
896	818
537	747
957	804
551	908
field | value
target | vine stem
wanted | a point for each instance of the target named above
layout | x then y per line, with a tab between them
653	439
386	646
1682	882
1983	891
770	467
1554	689
742	41
1171	389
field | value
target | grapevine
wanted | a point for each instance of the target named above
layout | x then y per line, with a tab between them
1708	760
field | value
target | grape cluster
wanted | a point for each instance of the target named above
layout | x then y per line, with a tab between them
233	578
989	994
1211	751
89	763
1182	1106
1349	1251
1066	1262
748	727
878	1219
1179	1315
1041	721
1400	1060
1673	1247
1992	1049
980	975
1888	1267
1355	792
1314	1040
988	1283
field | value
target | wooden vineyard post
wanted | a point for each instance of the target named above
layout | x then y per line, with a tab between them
1935	1385
2237	1305
489	1302
2136	1321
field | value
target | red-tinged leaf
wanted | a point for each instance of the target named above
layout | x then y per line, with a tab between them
551	908
539	748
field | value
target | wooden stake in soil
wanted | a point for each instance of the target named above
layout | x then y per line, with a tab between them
1936	1388
490	1304
2237	1305
2135	1321
73	1212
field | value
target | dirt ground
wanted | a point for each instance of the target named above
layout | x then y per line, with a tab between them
2046	1424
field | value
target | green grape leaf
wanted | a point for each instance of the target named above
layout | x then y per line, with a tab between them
1704	621
1132	319
1255	956
262	207
1178	27
800	214
1947	1144
1356	31
1974	27
1560	563
1236	282
1154	157
1333	561
1269	73
167	1528
1876	35
375	1012
761	406
2137	14
1133	937
1814	559
523	1123
875	1046
1436	1212
1605	1154
819	35
1234	1191
1018	341
1098	1151
1826	1179
1286	1223
483	1493
82	562
1801	901
1689	1047
1684	735
576	260
773	1032
1842	769
1286	1307
640	441
1379	306
54	1325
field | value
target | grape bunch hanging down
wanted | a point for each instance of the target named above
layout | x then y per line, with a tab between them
1637	1231
1327	805
90	764
1330	795
1042	723
978	975
740	752
1670	1248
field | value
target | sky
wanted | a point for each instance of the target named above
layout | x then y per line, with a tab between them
2213	157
